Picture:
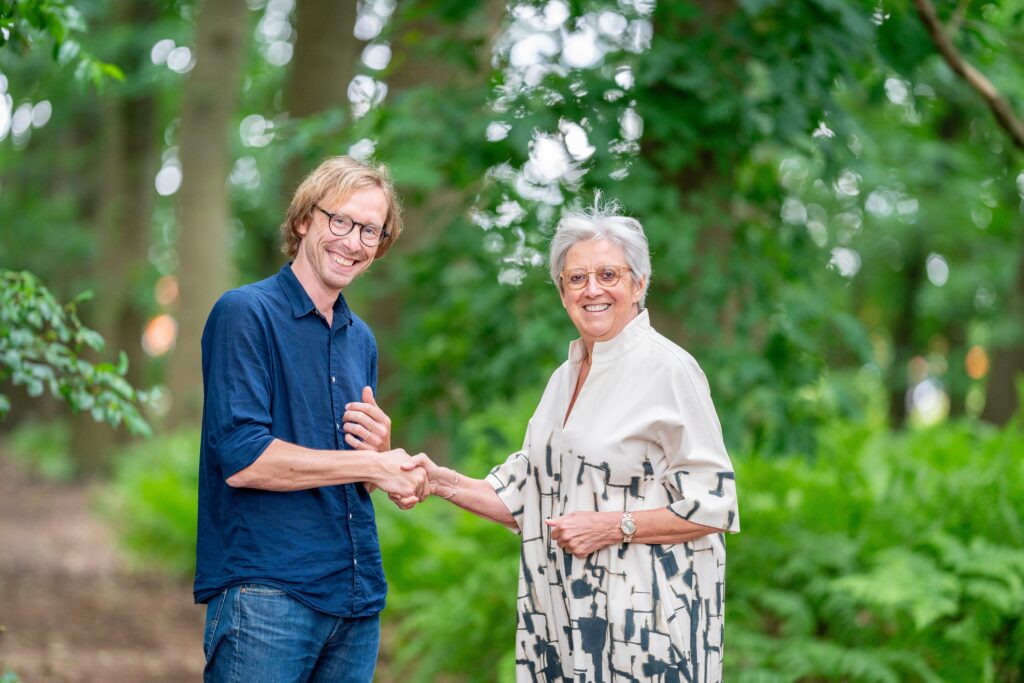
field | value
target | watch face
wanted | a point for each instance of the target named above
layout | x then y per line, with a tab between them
628	526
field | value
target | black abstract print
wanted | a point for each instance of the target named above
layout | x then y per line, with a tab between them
643	434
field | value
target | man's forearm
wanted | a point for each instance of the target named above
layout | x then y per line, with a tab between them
286	466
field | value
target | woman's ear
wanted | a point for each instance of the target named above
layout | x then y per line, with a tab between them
639	293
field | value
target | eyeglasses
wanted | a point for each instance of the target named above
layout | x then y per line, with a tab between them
606	276
341	225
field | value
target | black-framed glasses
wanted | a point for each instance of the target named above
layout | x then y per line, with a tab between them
341	225
606	276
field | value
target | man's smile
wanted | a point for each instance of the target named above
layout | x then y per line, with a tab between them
341	260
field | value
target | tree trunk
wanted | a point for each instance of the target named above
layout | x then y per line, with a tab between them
415	65
204	245
903	327
1001	399
125	189
326	56
324	63
957	381
696	181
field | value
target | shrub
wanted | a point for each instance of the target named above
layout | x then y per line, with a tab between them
453	577
886	557
152	501
45	447
880	558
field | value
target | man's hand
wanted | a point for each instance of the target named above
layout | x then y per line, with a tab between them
367	427
431	469
583	533
424	464
406	487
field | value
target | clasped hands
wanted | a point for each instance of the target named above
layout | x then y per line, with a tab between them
406	479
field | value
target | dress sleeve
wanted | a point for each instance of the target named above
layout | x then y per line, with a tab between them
237	356
700	477
509	480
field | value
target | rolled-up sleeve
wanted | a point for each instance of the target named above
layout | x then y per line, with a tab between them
509	480
236	360
700	476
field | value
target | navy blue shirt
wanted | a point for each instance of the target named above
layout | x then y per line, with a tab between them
274	369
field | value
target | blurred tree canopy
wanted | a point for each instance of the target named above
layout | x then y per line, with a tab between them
834	213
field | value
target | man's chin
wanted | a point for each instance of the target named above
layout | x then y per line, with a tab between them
342	280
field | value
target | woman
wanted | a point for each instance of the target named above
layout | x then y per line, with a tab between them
622	489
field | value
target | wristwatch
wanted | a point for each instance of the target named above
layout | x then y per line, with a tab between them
627	526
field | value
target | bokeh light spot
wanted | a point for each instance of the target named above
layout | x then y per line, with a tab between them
160	335
976	363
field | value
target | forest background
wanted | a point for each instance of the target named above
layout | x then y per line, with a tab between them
833	191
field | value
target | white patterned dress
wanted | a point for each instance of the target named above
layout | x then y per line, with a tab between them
642	435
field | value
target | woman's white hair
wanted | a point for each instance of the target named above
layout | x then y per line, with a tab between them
603	221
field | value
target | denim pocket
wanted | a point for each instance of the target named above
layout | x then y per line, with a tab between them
259	589
213	611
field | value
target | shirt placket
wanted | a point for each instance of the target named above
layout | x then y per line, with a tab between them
334	360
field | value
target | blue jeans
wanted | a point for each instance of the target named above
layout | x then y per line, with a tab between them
260	634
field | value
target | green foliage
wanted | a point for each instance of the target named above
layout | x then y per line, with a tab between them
452	576
41	348
885	558
152	500
881	557
9	676
45	447
23	22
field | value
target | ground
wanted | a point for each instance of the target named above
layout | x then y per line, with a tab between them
71	611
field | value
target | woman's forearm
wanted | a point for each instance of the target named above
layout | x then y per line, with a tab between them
473	495
662	526
584	532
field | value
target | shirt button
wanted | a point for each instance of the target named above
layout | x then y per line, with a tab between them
355	561
332	379
337	426
350	515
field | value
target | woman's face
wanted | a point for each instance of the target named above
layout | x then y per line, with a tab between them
599	312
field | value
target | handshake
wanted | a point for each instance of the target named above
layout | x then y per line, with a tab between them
406	479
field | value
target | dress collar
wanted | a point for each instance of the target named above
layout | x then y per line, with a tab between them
605	351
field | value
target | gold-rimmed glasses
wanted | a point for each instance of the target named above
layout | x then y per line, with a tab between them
606	276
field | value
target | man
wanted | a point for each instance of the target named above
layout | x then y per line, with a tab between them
287	556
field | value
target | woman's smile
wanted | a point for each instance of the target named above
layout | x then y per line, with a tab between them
599	311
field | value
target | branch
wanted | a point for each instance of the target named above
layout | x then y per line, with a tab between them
999	106
958	17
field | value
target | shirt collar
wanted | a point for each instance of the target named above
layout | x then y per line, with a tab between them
301	302
634	331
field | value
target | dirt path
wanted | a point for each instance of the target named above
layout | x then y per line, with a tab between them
69	609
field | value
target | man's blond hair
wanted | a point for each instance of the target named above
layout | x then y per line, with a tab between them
338	178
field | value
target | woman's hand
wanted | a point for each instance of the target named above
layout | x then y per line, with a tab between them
583	533
441	479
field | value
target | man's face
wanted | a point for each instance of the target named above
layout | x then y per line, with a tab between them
334	261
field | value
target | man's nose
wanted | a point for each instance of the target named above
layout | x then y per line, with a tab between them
352	240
